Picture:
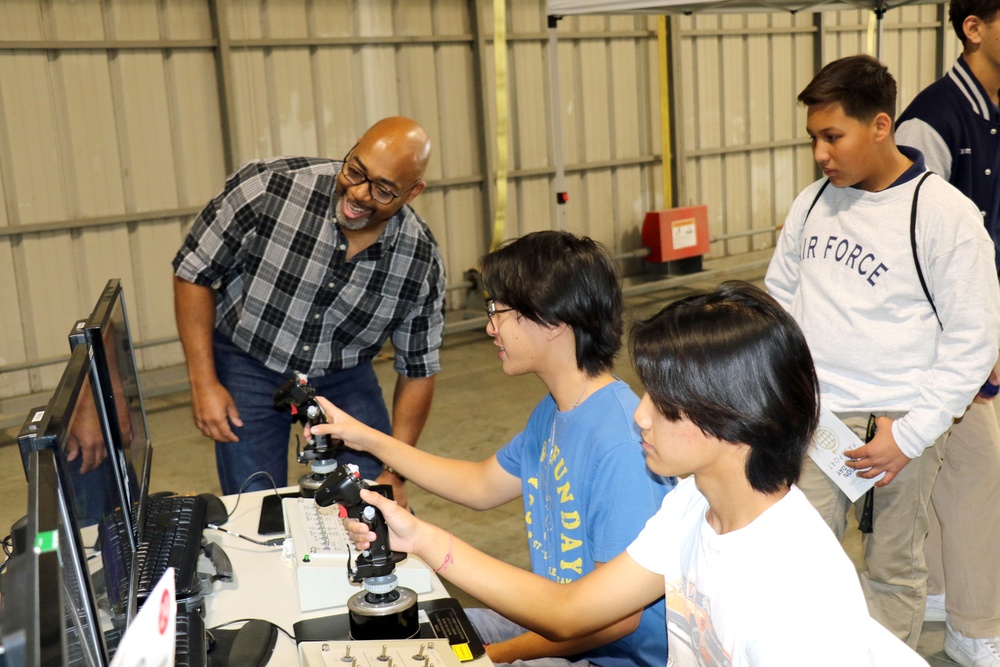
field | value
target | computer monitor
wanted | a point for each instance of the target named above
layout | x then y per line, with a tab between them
73	427
40	624
31	620
86	640
83	643
110	342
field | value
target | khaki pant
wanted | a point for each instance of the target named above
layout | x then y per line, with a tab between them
894	573
963	544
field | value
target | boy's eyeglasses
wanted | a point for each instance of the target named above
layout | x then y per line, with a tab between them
491	309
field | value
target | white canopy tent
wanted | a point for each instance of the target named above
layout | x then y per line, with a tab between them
567	7
559	8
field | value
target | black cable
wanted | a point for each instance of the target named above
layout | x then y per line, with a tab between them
273	542
264	543
239	494
8	545
8	549
247	620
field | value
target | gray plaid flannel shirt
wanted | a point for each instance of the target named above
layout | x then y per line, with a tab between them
286	294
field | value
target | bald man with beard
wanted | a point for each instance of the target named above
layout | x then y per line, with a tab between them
310	265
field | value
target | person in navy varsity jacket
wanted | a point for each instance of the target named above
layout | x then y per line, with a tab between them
955	122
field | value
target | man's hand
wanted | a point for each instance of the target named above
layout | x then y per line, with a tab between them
214	409
85	437
880	455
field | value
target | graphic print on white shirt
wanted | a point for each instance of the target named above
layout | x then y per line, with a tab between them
691	637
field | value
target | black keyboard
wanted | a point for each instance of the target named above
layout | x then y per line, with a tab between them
117	560
75	656
171	538
190	645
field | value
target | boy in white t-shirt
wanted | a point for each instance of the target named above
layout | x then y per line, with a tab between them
752	574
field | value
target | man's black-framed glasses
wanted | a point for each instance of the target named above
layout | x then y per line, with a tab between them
491	309
354	175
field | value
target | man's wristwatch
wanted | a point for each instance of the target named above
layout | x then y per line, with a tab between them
388	469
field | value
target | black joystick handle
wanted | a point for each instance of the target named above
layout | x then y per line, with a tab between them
300	397
344	486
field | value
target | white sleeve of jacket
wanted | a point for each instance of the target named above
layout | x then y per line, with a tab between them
961	275
918	134
782	277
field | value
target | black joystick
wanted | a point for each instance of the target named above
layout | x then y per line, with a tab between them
383	610
344	486
299	396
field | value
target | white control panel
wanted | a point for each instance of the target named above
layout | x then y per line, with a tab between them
381	653
320	550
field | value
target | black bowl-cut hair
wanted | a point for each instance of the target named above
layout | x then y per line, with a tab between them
552	278
735	364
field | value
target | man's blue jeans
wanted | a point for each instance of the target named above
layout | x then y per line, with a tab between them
266	430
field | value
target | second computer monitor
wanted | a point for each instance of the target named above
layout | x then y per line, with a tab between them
110	342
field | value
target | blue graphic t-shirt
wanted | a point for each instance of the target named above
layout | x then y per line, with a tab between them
587	494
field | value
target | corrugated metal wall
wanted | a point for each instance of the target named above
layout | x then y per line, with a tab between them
742	144
119	119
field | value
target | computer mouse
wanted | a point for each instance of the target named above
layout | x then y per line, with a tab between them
253	644
216	513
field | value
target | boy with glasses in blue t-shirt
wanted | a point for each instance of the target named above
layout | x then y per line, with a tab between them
555	311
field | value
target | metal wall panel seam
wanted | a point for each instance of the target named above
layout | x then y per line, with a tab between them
747	148
218	16
86	223
487	121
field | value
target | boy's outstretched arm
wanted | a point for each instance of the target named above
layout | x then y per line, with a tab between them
475	484
558	612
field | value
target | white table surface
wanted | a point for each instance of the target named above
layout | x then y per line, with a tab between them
264	584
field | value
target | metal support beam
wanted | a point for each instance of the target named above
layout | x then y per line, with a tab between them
224	81
486	149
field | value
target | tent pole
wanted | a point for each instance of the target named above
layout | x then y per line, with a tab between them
878	43
555	120
665	130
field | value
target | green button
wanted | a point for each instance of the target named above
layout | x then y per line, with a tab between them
46	542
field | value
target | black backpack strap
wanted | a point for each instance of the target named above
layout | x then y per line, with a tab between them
913	237
913	247
813	205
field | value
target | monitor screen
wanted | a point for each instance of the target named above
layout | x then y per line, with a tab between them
31	619
110	342
43	541
42	622
72	427
79	608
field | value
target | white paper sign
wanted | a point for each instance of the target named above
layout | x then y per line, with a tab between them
150	640
827	449
685	233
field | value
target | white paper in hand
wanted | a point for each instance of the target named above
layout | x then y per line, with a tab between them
150	640
827	449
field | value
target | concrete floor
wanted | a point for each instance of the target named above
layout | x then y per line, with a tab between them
476	410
